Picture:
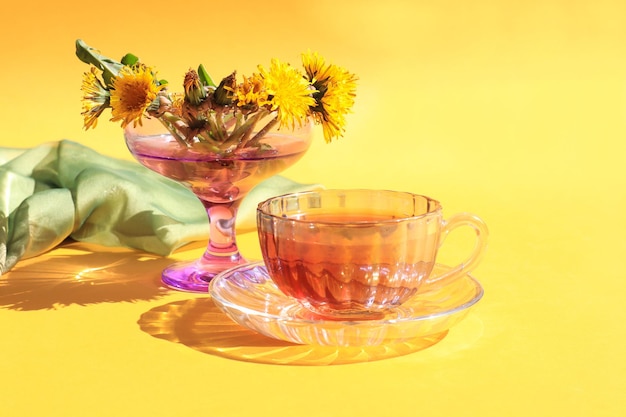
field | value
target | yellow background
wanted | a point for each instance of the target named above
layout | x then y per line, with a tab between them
513	110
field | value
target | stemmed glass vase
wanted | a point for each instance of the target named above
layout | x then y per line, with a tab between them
220	181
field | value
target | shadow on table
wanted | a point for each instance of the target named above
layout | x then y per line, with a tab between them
82	275
199	324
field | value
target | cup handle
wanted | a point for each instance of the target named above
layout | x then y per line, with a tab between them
479	226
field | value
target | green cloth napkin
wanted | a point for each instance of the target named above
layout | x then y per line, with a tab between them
61	190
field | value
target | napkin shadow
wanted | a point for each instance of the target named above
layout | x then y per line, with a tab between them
200	325
87	275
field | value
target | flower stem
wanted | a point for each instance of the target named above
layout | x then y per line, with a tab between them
174	125
256	138
240	134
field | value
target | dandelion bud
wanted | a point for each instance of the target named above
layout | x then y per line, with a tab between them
225	92
194	91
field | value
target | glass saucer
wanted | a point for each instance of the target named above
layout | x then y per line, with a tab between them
247	295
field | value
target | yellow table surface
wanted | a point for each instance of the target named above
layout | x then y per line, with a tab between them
515	111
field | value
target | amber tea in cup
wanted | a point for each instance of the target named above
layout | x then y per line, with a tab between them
351	253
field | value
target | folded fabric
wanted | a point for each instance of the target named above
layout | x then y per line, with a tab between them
61	190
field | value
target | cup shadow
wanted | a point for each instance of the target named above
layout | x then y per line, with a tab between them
200	325
82	274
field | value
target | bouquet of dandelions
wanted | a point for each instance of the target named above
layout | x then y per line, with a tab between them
220	117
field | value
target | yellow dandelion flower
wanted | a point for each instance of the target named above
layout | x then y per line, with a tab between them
335	92
95	98
316	69
251	93
288	92
133	91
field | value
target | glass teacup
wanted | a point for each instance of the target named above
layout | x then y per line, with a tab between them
357	253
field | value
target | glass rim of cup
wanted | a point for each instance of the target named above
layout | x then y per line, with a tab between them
434	207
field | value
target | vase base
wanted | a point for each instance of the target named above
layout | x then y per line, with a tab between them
194	276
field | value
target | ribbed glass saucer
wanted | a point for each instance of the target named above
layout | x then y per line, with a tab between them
248	296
